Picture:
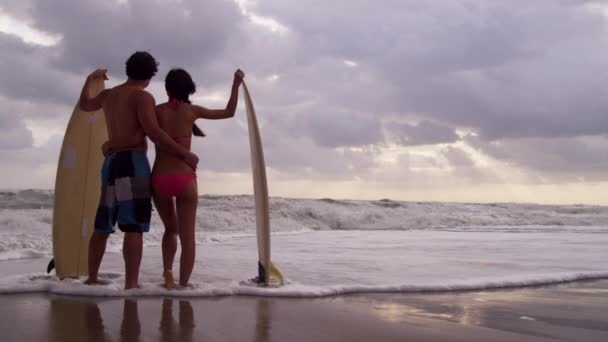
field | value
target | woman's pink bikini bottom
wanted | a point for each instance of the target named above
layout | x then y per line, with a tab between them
171	185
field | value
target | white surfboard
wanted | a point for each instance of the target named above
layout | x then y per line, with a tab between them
77	189
266	270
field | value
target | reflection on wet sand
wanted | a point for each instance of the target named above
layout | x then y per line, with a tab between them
262	326
71	320
130	328
172	331
574	312
94	324
78	319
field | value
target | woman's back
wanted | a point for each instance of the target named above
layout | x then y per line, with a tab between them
175	118
174	183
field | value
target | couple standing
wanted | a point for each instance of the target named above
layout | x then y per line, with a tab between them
127	183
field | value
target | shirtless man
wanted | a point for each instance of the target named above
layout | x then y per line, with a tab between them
125	189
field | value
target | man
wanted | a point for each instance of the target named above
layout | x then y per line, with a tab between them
125	190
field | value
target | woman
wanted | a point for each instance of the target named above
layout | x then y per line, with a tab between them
174	187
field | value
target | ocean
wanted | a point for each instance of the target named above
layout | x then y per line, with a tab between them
328	247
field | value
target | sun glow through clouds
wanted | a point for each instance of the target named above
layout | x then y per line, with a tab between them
269	23
27	33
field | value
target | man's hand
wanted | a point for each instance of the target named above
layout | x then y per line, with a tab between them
192	160
99	73
88	103
239	75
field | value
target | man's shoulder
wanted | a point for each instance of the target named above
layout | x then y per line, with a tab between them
130	91
140	95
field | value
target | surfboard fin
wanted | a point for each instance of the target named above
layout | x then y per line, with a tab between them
273	274
261	278
276	274
50	266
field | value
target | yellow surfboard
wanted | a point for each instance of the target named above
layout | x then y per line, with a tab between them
266	270
78	188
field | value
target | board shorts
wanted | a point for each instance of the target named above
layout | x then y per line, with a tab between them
125	193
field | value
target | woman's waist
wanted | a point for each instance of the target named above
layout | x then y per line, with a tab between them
168	165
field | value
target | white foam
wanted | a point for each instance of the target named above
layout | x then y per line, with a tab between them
325	263
34	283
22	254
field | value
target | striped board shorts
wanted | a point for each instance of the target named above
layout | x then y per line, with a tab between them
125	193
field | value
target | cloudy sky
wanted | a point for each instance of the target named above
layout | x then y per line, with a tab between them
452	100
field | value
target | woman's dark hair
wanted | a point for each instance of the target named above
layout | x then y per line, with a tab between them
141	66
179	85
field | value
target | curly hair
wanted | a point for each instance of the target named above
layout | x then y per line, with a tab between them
141	66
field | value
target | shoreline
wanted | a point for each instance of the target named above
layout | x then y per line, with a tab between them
25	276
44	284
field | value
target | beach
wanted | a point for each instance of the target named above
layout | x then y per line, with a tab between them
567	312
354	270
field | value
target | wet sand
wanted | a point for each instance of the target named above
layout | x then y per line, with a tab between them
569	312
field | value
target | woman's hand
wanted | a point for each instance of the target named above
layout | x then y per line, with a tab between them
239	75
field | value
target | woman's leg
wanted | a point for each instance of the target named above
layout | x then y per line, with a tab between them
166	210
186	205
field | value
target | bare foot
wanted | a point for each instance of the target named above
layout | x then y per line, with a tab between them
186	287
97	282
169	282
132	286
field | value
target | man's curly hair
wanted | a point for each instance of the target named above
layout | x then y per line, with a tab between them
141	66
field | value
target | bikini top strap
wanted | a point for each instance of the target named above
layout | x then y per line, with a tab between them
174	103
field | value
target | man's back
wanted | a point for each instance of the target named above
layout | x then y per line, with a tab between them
120	108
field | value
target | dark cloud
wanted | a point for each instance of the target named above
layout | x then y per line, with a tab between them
17	8
302	158
105	33
337	128
457	157
555	159
15	135
28	75
226	149
505	70
423	133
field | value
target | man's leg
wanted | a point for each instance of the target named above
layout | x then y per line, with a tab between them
134	210
97	248
131	251
130	328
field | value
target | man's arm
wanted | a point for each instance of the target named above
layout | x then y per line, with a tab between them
228	112
147	117
87	103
